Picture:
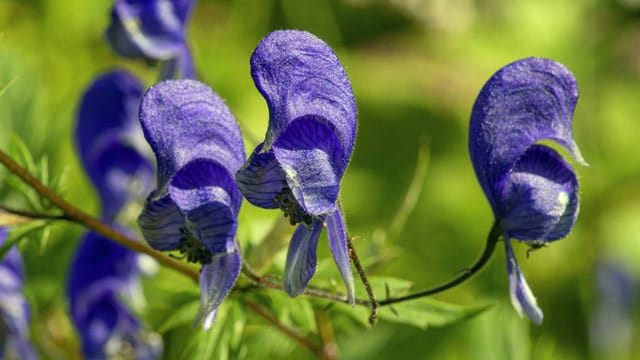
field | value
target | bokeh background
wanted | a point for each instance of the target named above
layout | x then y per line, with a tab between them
416	67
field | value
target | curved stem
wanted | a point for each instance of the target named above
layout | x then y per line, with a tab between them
76	215
492	240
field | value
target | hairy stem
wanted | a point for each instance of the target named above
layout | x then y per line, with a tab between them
492	240
76	215
365	281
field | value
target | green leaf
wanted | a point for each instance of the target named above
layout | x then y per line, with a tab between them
4	87
426	312
33	230
183	314
423	312
177	309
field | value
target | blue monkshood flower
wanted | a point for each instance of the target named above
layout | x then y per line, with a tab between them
153	30
103	280
14	309
194	209
308	145
105	275
110	141
532	190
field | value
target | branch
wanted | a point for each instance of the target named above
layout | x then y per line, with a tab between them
76	215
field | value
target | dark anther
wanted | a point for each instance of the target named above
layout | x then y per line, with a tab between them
192	249
290	207
533	246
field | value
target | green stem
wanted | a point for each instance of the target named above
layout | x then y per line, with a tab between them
76	215
492	240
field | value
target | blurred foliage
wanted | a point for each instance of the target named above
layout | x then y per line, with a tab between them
416	67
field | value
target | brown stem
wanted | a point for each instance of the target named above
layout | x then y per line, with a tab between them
365	281
76	215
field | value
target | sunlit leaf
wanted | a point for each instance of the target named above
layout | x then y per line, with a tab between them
4	87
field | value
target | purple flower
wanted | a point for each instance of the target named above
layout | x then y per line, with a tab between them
104	273
154	30
532	190
194	208
611	328
110	141
307	147
14	309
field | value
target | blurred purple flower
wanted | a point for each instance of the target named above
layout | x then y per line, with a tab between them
307	147
14	309
532	190
611	328
194	208
104	275
153	30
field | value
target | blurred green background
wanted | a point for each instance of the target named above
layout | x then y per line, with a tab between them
416	67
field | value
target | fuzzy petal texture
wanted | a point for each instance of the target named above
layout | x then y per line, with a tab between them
521	295
540	200
336	231
299	75
14	309
183	120
301	258
216	281
524	102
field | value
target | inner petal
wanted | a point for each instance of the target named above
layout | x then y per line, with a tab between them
311	157
539	201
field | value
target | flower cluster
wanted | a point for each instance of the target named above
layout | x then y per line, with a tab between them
103	279
104	275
